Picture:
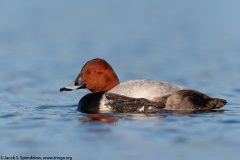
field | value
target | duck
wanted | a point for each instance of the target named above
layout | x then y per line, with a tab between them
109	95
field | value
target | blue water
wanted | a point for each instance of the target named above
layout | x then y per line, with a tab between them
44	44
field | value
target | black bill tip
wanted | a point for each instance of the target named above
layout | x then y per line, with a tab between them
64	89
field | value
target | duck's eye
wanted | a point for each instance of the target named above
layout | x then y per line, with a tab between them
93	71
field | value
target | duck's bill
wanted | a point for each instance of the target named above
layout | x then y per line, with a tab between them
70	87
77	84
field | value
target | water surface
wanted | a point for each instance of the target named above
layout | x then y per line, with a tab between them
44	44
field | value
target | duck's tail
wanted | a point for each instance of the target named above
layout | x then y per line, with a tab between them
219	102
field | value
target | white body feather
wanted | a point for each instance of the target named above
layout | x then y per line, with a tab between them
141	88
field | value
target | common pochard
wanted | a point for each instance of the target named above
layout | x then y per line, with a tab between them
140	95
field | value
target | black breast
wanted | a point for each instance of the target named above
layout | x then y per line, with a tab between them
90	102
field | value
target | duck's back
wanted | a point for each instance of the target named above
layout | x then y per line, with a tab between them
148	89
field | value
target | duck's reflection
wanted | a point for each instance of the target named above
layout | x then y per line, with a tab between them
113	118
100	118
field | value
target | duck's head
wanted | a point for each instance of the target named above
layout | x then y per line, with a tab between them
96	75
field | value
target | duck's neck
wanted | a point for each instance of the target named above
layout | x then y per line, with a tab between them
112	83
106	85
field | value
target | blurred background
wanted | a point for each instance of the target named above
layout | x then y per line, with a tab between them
44	44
